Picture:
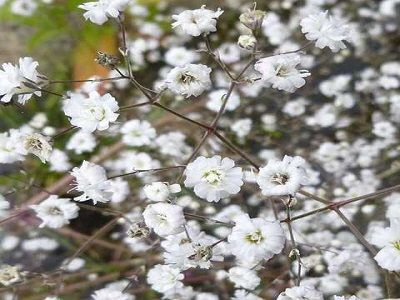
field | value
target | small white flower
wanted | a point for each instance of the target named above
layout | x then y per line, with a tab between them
56	212
119	189
111	294
98	12
180	56
198	21
38	145
164	278
280	70
217	97
59	161
327	30
300	292
384	129
173	143
242	127
137	133
91	179
247	41
74	264
213	178
164	218
389	240
189	80
19	80
94	112
253	240
244	278
160	191
281	177
81	141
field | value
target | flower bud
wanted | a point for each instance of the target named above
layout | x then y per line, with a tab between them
247	41
106	60
252	19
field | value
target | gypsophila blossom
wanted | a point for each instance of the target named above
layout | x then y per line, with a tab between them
111	294
55	212
73	265
388	239
94	112
247	41
300	292
59	161
281	177
22	80
216	98
81	141
160	191
244	278
38	145
164	278
280	70
213	178
253	240
9	275
189	80
164	218
326	30
197	21
180	56
137	133
92	181
98	12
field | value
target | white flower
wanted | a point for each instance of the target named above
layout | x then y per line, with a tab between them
173	143
384	129
253	240
198	21
19	80
10	143
244	295
23	7
56	212
244	278
74	264
180	56
280	70
111	294
213	178
9	275
137	133
242	127
38	145
247	41
95	112
59	161
389	240
216	99
164	218
327	30
119	189
159	191
91	179
189	80
99	12
164	278
81	141
281	177
300	292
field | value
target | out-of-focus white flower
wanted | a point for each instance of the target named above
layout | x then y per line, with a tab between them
59	161
164	278
253	240
328	31
55	212
280	70
98	12
137	133
94	112
281	177
216	98
384	129
197	21
164	218
213	178
81	141
242	127
173	143
189	80
159	191
300	292
111	294
247	41
23	7
244	278
389	240
73	265
119	189
180	56
20	80
91	179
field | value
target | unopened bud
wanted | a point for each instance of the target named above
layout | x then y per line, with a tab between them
137	231
247	41
252	19
106	60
